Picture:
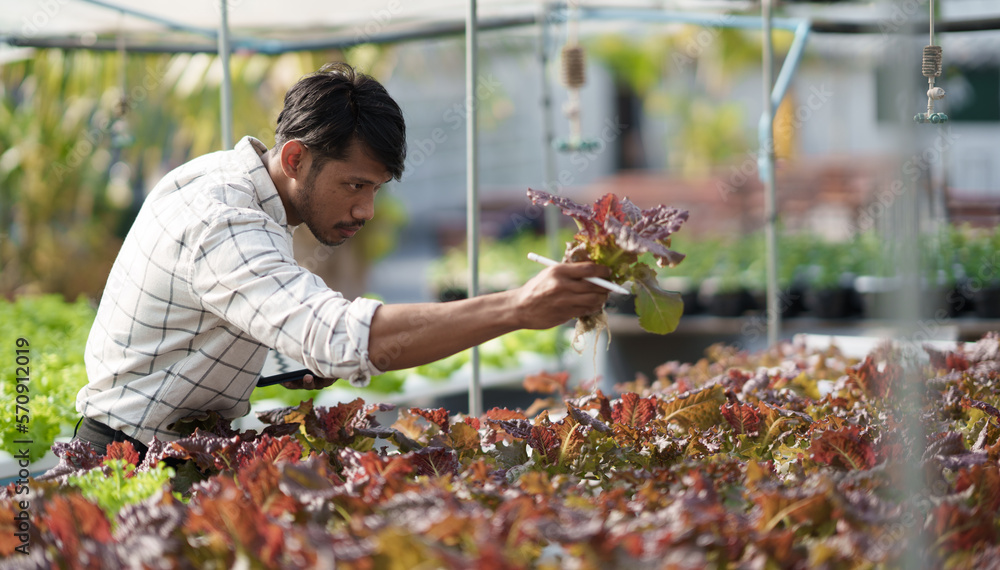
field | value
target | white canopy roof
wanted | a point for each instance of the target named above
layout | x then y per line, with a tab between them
66	17
145	22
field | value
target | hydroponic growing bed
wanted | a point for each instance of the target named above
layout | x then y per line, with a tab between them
789	458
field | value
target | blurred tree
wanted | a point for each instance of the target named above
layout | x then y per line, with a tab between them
703	64
80	147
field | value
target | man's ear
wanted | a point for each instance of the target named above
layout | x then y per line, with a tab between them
293	157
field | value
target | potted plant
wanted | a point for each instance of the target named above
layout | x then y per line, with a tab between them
939	285
723	294
790	256
687	278
980	262
830	286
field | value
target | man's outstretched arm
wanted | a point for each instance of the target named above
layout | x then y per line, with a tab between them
407	335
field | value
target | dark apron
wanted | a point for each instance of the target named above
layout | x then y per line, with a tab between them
99	435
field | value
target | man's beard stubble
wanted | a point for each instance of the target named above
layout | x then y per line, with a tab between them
307	210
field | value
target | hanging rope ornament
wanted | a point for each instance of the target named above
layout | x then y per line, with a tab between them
931	68
121	134
573	77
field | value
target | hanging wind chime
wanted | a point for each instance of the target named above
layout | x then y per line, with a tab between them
931	68
121	134
573	77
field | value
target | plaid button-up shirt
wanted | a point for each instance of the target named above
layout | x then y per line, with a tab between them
204	283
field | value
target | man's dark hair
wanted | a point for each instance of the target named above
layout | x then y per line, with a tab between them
328	109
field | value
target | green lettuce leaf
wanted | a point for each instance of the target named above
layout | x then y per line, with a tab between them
659	311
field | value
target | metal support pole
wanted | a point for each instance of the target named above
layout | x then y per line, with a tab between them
472	188
171	24
770	201
226	92
551	183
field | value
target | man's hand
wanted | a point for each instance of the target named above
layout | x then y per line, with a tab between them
309	382
404	336
559	293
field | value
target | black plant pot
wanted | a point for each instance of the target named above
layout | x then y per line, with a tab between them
987	302
729	303
855	304
792	301
961	298
832	303
692	306
940	303
879	296
789	300
622	304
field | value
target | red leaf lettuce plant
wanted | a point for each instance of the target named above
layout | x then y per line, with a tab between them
615	232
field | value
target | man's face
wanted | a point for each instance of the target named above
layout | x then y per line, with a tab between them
337	199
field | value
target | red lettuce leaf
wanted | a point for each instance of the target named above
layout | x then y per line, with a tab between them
159	516
309	481
947	360
745	418
876	383
633	410
970	403
434	461
546	382
594	401
518	428
74	457
338	422
586	419
984	482
75	524
546	442
209	452
438	417
846	448
959	528
125	451
505	414
271	449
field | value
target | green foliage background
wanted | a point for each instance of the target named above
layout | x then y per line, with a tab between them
64	205
56	332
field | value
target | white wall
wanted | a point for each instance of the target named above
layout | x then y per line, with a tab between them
429	84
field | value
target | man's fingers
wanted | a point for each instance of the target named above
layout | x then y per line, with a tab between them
582	269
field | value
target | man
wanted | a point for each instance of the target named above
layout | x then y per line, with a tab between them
205	281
